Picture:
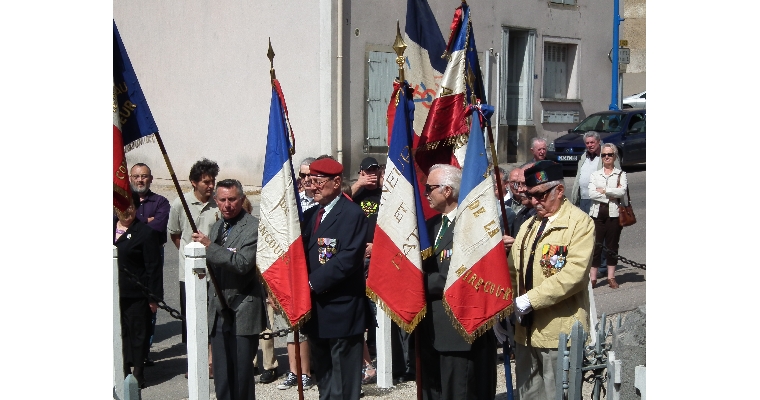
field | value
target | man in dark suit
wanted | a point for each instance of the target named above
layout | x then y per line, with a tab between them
452	369
334	236
231	254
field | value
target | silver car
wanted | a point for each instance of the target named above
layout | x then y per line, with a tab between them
638	100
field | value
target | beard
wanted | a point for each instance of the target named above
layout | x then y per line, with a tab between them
137	190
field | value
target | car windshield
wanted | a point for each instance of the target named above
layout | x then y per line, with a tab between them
601	123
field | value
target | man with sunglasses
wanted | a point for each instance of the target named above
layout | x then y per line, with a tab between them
588	163
452	369
549	266
305	194
334	237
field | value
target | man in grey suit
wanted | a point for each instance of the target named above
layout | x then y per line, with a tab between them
231	254
452	369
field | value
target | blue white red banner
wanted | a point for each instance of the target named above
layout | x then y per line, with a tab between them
395	278
478	286
280	254
137	124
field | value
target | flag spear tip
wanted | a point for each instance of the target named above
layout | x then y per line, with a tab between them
270	55
399	46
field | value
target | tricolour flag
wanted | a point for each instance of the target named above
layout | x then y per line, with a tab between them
122	194
395	278
444	136
478	286
137	124
280	254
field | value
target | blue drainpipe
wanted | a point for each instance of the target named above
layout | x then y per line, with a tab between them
615	45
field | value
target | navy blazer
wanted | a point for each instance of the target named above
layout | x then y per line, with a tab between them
339	303
139	252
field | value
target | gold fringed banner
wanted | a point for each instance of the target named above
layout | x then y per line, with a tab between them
393	316
470	338
299	324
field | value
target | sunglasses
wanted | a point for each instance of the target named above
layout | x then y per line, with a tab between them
608	154
302	175
429	188
540	196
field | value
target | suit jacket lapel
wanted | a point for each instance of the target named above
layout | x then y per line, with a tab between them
328	220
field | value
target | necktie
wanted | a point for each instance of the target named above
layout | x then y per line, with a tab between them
320	213
444	226
529	271
226	231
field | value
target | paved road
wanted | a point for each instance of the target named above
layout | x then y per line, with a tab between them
166	379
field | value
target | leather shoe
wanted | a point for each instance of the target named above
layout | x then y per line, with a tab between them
613	284
268	376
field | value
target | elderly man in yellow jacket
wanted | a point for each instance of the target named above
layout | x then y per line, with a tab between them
549	265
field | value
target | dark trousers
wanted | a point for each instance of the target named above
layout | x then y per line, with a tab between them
460	375
607	231
135	317
232	356
337	365
402	348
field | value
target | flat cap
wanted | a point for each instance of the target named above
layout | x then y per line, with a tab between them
542	172
325	166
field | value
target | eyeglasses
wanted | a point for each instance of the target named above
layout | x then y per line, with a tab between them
517	185
302	175
320	183
143	176
608	154
540	196
429	188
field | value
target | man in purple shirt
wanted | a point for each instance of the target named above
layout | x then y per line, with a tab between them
153	210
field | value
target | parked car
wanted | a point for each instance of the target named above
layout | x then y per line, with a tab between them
638	100
626	129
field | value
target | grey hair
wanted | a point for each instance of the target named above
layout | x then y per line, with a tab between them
536	140
229	183
502	173
613	147
593	134
308	160
452	177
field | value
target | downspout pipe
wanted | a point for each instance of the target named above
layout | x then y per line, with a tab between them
339	85
615	52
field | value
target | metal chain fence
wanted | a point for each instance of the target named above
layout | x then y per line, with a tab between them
161	304
621	258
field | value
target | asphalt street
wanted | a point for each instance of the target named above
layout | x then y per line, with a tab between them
166	379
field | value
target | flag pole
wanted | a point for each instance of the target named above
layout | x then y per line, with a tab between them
226	312
296	341
399	47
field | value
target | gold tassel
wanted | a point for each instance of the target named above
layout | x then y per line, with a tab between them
427	252
395	317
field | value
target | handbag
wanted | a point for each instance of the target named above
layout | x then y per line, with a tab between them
626	216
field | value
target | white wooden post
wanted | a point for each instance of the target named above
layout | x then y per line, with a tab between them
197	325
118	357
592	314
383	346
640	380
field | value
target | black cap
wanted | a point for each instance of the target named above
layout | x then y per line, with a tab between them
368	163
542	172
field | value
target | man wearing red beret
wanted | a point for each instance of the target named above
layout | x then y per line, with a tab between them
334	239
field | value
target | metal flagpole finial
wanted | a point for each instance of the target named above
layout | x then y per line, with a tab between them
399	46
270	55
